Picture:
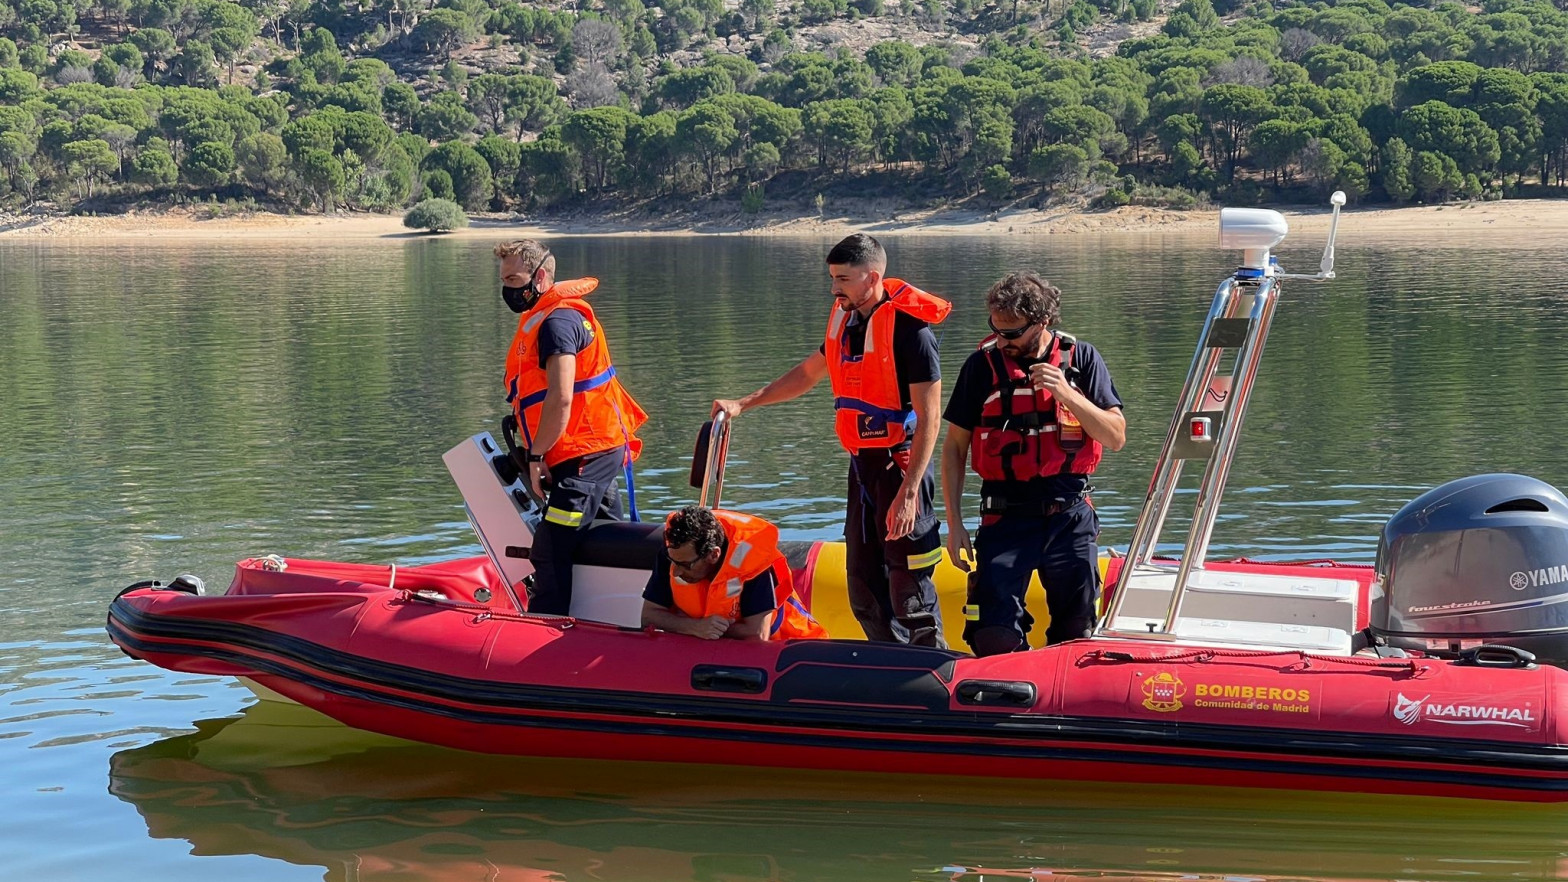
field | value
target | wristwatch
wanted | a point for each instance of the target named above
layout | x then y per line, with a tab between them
532	457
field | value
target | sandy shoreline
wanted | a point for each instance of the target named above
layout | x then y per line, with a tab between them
1499	223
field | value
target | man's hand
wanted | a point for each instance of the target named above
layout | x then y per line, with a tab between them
901	516
710	628
1050	378
539	479
959	549
730	407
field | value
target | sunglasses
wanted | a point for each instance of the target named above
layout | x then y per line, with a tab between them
687	565
1009	333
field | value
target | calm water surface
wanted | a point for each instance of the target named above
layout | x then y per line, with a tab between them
168	409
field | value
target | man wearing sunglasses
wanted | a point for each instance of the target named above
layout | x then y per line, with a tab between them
1036	409
721	574
881	359
575	419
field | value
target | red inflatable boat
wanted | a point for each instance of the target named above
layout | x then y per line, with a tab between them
1417	676
424	660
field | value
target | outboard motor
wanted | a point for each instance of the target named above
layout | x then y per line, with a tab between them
1480	560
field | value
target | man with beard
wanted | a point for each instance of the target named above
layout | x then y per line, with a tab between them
577	422
1037	408
881	358
722	575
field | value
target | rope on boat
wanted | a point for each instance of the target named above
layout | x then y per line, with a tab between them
483	612
1413	666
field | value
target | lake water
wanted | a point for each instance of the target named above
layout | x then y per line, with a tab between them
173	408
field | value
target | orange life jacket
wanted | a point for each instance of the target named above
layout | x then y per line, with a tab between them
1023	431
869	409
603	415
752	549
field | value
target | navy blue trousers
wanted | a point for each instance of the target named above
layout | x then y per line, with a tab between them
890	587
1061	548
582	490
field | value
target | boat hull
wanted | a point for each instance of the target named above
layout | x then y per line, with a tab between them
454	672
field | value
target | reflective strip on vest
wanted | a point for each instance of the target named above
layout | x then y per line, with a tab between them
929	559
839	317
733	586
564	517
578	388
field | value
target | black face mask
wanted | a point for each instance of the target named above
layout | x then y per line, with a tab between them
519	297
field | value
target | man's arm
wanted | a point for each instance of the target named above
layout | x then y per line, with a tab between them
927	401
955	465
752	627
796	382
1109	427
676	622
1105	425
758	601
559	371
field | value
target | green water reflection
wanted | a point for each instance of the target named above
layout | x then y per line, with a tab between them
285	784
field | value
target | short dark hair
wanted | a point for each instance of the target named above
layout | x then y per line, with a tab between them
695	526
1027	295
858	250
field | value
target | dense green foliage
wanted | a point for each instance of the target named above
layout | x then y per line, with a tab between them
322	105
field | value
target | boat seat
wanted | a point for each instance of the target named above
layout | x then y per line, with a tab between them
1309	612
625	544
610	567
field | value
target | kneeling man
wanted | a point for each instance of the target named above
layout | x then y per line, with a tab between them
721	574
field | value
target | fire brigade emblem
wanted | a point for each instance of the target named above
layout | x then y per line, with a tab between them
1163	692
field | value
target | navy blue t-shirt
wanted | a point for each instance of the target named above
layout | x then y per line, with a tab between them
975	384
756	594
564	332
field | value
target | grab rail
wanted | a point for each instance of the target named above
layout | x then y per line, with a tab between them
718	453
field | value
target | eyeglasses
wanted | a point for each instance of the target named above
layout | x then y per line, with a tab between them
1009	333
687	565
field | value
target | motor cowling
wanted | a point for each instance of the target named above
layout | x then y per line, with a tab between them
1483	559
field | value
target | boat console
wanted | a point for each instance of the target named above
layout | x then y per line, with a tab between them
612	562
614	559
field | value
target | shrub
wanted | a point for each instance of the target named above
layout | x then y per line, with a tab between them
436	215
1178	198
1114	198
751	200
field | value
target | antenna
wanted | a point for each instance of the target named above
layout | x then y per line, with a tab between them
1326	265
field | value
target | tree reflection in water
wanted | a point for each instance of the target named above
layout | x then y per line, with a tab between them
284	783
